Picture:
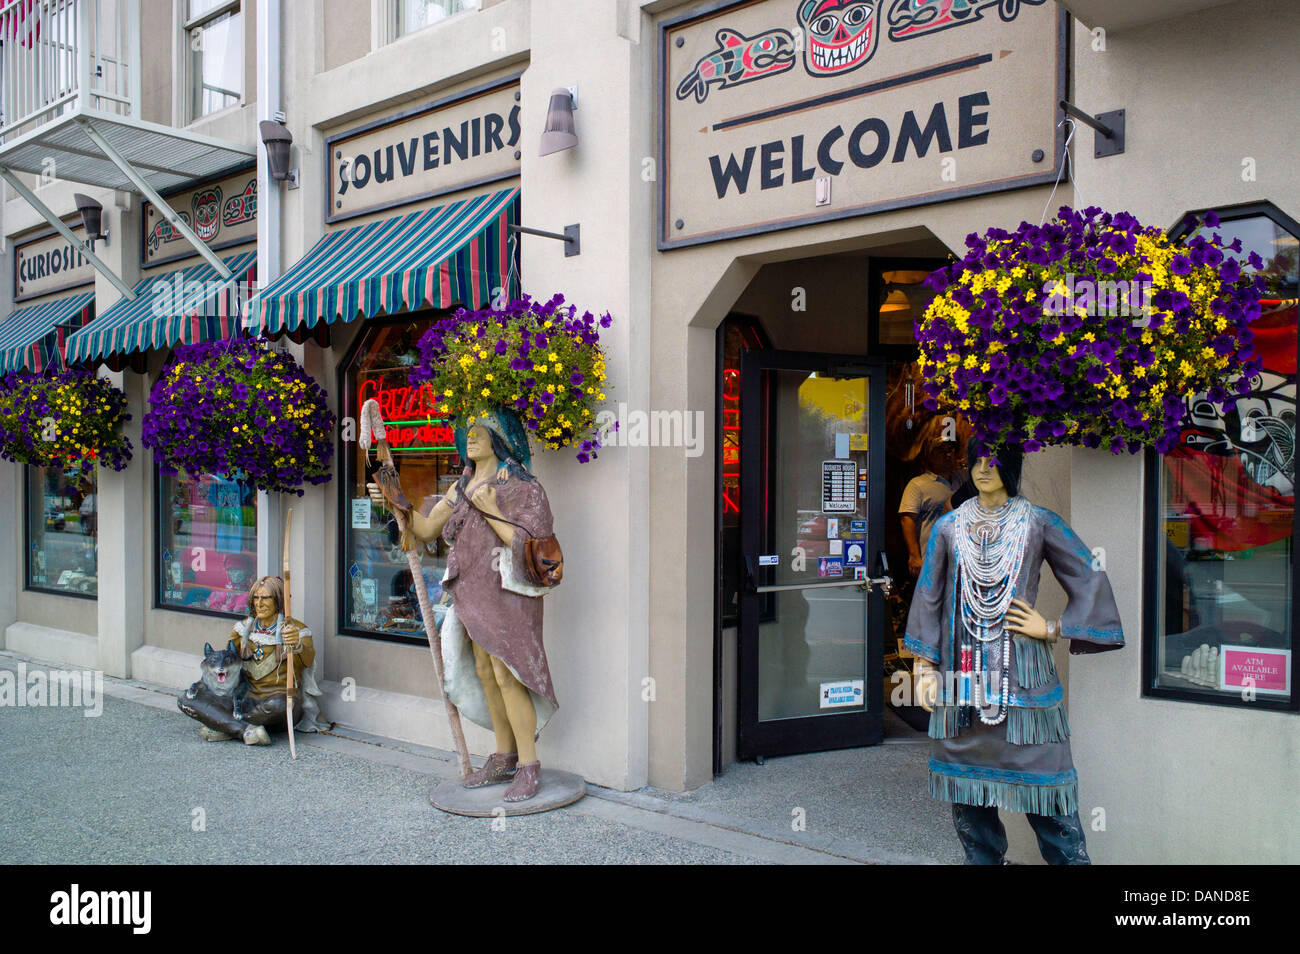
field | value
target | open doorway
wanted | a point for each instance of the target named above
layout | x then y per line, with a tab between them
852	315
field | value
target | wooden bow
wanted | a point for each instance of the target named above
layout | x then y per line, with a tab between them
290	682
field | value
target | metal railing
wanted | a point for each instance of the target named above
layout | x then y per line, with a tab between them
59	55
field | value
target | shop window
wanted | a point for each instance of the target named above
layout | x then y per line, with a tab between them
205	544
1220	618
62	531
415	15
214	43
378	596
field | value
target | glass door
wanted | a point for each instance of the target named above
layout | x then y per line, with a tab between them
812	608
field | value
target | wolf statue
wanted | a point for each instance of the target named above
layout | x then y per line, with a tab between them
220	694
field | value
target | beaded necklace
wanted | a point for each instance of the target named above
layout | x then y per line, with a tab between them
990	547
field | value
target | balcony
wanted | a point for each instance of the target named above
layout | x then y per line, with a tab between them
70	95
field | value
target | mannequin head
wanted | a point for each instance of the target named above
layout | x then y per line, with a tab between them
482	443
1006	474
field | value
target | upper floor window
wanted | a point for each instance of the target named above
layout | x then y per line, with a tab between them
214	41
415	15
1221	530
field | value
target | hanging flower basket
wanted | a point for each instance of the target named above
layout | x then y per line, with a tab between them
543	361
242	410
69	418
1090	331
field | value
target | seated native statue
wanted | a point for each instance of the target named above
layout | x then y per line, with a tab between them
243	690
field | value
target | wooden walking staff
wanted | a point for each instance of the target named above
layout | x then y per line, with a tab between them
372	427
289	681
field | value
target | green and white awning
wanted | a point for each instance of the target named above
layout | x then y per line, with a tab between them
35	337
186	306
437	257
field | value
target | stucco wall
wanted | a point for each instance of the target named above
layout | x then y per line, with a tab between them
1181	782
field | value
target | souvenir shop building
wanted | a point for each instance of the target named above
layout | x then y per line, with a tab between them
759	188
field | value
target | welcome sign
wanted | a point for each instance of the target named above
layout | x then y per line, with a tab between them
779	113
464	140
50	264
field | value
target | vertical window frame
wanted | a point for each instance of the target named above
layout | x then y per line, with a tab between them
47	590
189	81
158	602
1153	536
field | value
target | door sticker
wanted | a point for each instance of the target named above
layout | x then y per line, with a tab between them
832	527
769	559
837	486
830	566
837	695
857	526
835	547
855	554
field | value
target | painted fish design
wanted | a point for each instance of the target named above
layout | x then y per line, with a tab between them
738	59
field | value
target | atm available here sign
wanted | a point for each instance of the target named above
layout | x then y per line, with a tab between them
871	104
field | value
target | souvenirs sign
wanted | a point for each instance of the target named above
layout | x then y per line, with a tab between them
222	213
454	143
49	264
778	113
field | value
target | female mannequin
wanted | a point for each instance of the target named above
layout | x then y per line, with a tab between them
495	664
1001	738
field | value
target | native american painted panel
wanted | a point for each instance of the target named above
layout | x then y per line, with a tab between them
777	113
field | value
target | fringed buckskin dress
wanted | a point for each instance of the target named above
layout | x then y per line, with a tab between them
495	606
1022	764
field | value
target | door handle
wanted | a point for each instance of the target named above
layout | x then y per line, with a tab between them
882	578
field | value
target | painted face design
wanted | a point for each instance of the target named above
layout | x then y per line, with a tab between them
207	210
841	34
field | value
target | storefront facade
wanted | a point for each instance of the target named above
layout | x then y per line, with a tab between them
798	282
754	221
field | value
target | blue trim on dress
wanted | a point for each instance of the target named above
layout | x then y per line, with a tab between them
1091	635
914	645
987	774
1040	698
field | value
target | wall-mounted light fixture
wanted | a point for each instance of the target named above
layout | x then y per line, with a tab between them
277	139
92	217
560	132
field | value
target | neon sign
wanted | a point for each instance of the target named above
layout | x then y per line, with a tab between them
730	441
409	415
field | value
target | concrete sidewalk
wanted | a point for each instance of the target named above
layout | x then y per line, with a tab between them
137	785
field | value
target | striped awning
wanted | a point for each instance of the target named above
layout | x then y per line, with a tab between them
186	306
35	337
437	257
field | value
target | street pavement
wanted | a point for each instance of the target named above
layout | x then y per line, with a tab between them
136	785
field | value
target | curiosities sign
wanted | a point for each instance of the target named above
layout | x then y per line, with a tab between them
778	113
50	264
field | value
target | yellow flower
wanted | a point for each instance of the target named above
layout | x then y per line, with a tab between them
485	392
